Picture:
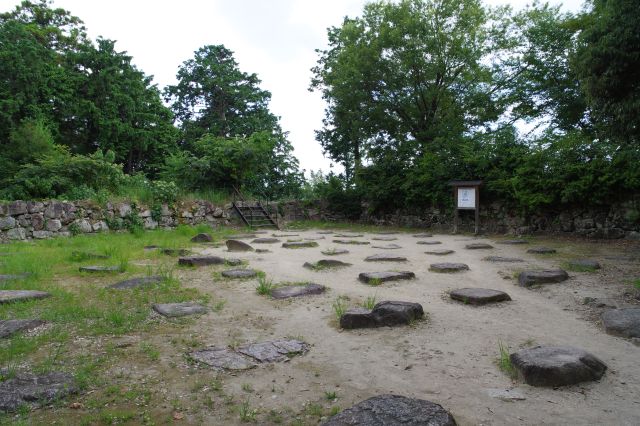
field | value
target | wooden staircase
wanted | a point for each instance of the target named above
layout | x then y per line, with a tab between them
252	213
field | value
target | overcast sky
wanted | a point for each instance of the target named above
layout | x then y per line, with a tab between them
276	39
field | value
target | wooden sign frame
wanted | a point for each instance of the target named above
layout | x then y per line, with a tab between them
466	196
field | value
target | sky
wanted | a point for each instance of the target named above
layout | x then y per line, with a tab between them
276	39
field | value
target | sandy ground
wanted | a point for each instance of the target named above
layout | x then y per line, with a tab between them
450	358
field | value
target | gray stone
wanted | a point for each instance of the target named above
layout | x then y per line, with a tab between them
384	257
502	259
54	210
284	235
479	296
507	395
553	366
138	282
274	351
393	410
9	296
622	322
17	234
7	222
36	390
353	242
478	246
242	236
101	225
297	291
223	359
200	260
176	252
99	269
334	252
35	206
326	263
237	245
357	318
233	262
16	208
548	276
239	273
300	244
541	250
388	247
384	238
373	277
348	235
202	238
447	267
10	327
442	252
325	232
218	212
429	243
265	241
392	313
513	242
14	277
423	235
41	235
53	225
263	251
37	222
314	239
84	226
183	309
584	264
124	209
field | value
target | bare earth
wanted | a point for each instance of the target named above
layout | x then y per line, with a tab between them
450	358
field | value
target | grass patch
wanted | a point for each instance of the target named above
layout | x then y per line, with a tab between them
369	302
340	306
504	362
573	267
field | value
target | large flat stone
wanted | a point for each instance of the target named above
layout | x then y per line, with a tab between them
373	277
548	276
622	322
357	318
384	257
352	242
175	252
35	390
243	236
239	273
348	235
552	366
513	242
479	296
334	252
200	260
448	267
10	327
326	264
478	246
392	313
429	243
584	264
8	296
183	309
422	235
14	277
223	359
502	259
138	282
442	252
274	351
285	235
202	238
384	238
237	245
541	250
96	269
388	247
299	244
325	232
265	241
297	291
393	410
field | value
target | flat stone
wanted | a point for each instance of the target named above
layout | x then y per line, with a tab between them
326	263
183	309
314	239
502	259
8	296
35	390
622	322
513	242
233	262
508	395
479	296
384	238
423	235
478	246
384	257
357	318
237	245
223	359
263	251
176	252
369	277
138	282
442	252
541	250
585	263
82	255
265	241
239	273
274	351
549	276
200	260
10	327
300	244
334	252
388	247
285	235
297	291
429	243
202	238
348	235
99	268
325	232
448	267
244	236
392	313
393	410
14	277
552	366
260	232
353	242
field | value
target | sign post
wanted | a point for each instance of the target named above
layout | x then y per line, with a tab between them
466	196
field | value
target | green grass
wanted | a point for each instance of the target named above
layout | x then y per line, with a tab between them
340	306
330	395
369	302
636	284
264	286
569	266
504	361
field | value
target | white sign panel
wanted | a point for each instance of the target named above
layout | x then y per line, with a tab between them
466	198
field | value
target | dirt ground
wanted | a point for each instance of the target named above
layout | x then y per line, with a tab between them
450	358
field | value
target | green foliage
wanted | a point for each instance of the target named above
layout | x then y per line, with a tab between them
504	361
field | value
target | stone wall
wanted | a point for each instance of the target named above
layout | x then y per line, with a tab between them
20	220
